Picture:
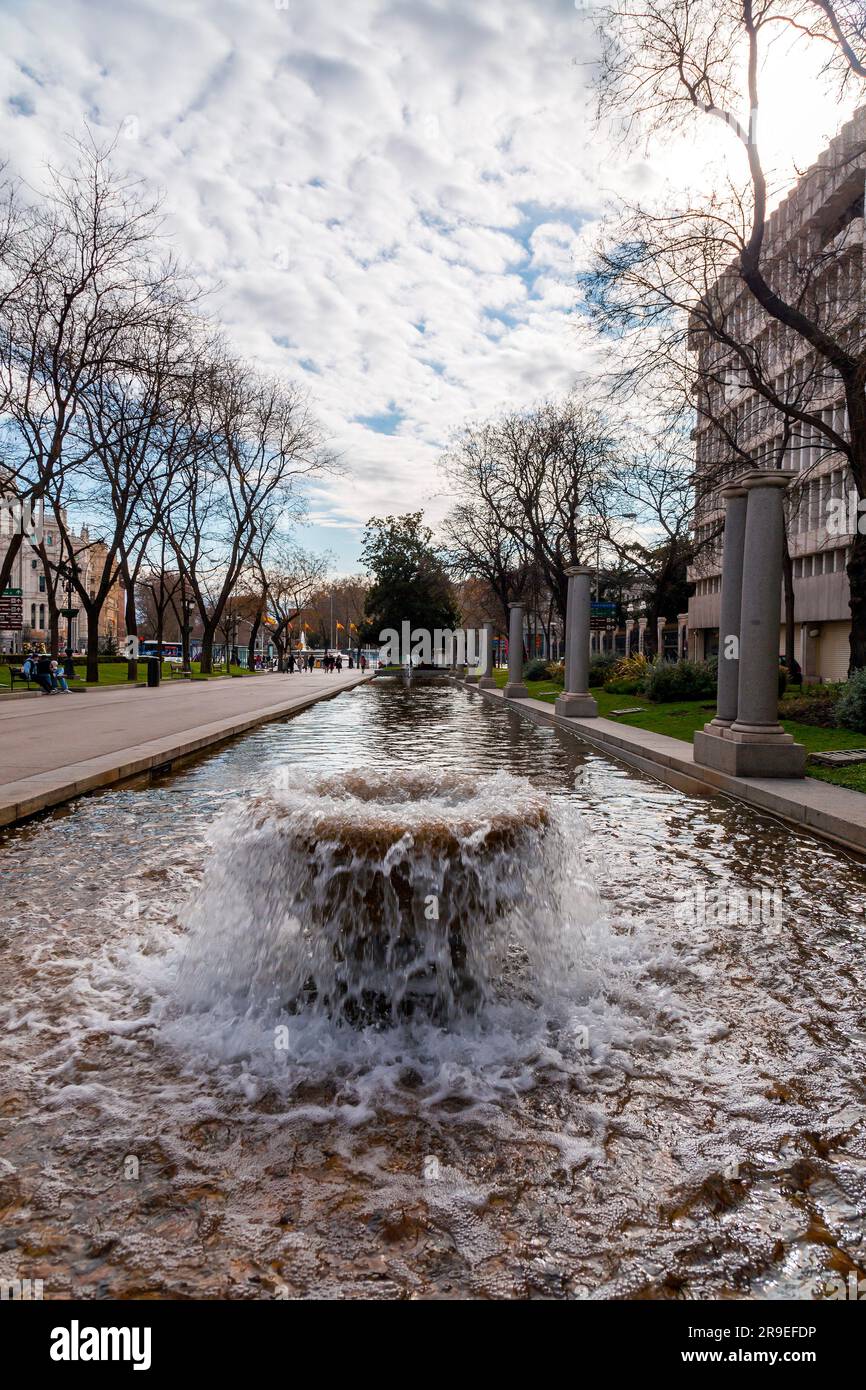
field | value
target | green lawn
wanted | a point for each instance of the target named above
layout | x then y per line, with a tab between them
683	718
115	673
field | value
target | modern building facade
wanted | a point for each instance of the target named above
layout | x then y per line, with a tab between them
821	221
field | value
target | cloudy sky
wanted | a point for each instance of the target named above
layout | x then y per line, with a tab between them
390	197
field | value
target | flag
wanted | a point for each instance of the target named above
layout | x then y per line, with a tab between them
340	627
352	626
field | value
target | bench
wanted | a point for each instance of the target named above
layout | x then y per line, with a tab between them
16	674
178	671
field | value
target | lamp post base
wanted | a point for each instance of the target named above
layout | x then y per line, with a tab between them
515	690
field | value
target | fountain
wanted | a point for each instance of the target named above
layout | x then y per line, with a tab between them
385	887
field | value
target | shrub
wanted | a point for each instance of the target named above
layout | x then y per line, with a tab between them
600	668
556	672
850	709
535	670
679	680
783	681
819	711
629	668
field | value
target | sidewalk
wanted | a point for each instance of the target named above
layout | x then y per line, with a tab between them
53	749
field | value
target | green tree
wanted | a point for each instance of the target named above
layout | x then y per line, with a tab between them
410	583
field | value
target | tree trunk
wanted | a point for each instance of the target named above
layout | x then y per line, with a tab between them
857	599
253	638
855	399
206	666
93	646
53	618
131	626
7	564
788	583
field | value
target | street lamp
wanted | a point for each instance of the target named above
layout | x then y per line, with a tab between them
68	572
187	605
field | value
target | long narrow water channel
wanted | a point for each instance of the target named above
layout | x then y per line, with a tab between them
657	1089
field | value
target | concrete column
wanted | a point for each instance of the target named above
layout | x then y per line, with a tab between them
485	680
682	636
733	547
629	628
761	610
660	637
755	744
641	635
576	701
514	688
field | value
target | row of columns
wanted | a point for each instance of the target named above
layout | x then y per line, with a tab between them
576	701
599	644
745	738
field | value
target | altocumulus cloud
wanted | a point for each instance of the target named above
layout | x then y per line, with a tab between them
390	200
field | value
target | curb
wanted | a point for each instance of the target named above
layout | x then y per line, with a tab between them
30	795
832	813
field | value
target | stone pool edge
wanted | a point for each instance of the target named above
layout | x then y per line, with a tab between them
834	813
44	790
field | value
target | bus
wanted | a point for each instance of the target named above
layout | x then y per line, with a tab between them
171	651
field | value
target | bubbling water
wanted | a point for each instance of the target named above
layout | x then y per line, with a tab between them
374	894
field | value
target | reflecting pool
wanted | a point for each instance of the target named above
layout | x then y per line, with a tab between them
653	1087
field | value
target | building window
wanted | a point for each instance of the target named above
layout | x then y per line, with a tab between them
42	616
42	583
33	615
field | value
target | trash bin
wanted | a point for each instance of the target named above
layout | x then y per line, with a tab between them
153	670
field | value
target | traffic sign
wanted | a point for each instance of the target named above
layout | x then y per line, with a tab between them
11	610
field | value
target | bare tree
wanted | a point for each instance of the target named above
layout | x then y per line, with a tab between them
536	475
86	265
257	439
292	578
775	311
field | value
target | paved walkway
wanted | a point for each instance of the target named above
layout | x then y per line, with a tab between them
58	747
836	813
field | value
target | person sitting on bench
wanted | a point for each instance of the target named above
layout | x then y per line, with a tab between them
43	673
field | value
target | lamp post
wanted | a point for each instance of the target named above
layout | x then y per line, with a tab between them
187	606
67	573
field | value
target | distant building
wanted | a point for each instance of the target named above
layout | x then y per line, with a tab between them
33	578
824	210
